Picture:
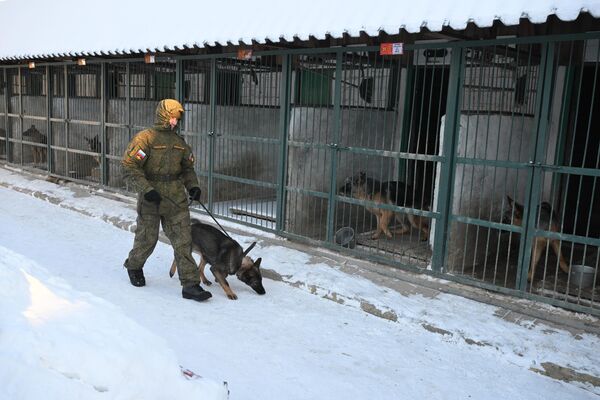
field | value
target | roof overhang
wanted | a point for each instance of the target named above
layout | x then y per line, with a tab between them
34	29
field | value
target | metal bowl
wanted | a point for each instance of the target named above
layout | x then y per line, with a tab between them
582	276
345	237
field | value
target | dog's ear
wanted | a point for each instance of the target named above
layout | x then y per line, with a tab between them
362	177
257	262
510	201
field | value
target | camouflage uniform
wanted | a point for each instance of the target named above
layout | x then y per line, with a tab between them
158	158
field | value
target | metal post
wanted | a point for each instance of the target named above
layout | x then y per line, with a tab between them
337	126
104	140
128	98
20	127
284	127
48	121
447	170
66	116
406	113
559	154
532	197
211	129
179	81
6	109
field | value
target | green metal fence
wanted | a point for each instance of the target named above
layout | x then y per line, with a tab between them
475	161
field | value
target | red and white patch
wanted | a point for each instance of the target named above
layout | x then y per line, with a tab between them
140	155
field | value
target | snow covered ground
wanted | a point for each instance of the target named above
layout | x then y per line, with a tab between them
72	327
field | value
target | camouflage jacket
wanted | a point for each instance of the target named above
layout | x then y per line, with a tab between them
158	158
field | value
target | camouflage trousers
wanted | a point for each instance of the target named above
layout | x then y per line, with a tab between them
175	220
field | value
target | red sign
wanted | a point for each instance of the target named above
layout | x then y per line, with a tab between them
391	49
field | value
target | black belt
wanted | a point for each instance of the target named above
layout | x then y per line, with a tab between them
162	178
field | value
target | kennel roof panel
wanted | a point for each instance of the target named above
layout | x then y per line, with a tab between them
39	28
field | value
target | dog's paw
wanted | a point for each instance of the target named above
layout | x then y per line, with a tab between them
206	282
232	296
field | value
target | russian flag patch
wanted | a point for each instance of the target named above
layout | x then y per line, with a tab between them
140	155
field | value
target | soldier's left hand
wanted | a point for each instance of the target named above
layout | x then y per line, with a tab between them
195	193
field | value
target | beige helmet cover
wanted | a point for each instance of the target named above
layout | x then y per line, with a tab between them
167	109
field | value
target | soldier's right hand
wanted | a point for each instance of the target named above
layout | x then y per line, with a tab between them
153	196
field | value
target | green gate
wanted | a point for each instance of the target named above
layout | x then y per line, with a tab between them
524	193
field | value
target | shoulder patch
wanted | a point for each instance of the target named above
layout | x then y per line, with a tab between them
140	155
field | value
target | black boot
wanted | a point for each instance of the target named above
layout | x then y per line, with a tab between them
136	276
195	292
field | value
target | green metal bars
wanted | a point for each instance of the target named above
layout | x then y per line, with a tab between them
475	161
516	219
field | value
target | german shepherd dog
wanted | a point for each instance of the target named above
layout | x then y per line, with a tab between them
391	192
96	146
38	153
225	257
548	221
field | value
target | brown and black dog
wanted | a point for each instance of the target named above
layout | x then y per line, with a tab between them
225	257
396	193
548	221
38	153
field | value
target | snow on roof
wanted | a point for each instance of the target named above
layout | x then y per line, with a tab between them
42	28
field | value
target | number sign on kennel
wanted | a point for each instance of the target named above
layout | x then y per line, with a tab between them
391	49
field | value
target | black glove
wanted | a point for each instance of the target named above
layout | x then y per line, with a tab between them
153	196
195	193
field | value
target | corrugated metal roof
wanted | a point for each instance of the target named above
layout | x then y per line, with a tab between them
40	28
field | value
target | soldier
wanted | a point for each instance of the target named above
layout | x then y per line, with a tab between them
158	164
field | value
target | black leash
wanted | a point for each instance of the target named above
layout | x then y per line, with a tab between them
205	209
209	213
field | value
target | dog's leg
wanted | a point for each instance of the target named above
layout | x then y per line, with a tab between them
201	266
173	269
223	282
379	230
386	216
561	260
421	224
414	221
424	224
404	228
538	247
